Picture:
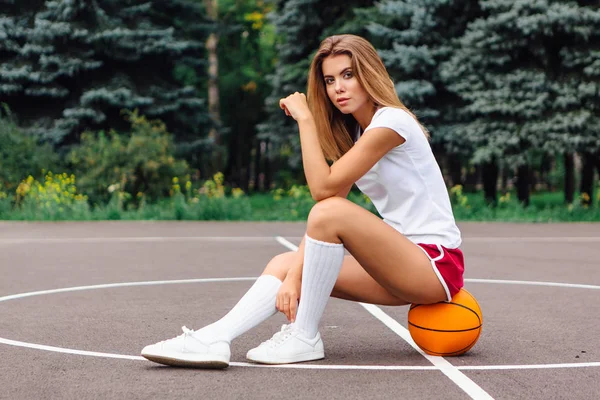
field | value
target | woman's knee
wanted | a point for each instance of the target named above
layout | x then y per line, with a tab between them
324	211
280	264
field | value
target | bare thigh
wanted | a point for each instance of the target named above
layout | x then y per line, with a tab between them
353	282
394	262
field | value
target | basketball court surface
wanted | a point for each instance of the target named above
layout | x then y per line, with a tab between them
78	301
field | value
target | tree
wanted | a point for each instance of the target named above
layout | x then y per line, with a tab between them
529	73
301	26
246	58
68	66
414	39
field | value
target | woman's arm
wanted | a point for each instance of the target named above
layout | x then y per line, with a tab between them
324	181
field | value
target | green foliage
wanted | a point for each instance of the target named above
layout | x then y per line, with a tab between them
140	162
246	58
56	198
21	155
529	74
544	207
6	205
70	66
295	203
211	201
414	39
301	25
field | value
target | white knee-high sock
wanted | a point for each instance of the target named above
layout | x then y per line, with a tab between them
322	264
254	307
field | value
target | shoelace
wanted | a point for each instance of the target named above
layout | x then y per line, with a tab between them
186	332
279	337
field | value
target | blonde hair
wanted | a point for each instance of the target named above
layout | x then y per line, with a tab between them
336	129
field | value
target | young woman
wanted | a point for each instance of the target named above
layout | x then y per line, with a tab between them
353	117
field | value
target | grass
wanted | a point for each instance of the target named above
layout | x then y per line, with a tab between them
544	207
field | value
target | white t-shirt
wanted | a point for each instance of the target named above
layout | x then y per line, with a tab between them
406	185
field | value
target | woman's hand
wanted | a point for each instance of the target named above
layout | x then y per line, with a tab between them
296	106
288	296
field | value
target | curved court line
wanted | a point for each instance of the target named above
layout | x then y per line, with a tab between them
440	363
534	283
134	239
465	383
291	366
206	280
145	239
64	350
123	284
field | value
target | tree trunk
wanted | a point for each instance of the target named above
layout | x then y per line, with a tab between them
569	178
545	173
490	182
504	179
232	170
587	179
212	44
472	179
268	171
454	169
257	165
523	183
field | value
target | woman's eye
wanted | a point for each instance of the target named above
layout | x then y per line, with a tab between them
328	81
348	75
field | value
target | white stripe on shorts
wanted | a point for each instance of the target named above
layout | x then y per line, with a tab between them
436	270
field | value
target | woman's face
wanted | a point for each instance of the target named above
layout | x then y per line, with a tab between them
343	89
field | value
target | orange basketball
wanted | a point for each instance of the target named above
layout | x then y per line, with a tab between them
448	328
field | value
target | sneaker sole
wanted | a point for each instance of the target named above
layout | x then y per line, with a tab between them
314	356
188	361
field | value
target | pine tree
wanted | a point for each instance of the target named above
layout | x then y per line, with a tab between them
302	25
246	58
529	72
72	65
299	25
414	39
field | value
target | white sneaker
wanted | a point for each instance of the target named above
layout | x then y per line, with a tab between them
186	350
288	346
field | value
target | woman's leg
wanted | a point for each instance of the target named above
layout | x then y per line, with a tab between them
353	282
397	264
209	346
391	260
394	262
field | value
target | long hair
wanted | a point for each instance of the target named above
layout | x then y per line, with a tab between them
336	130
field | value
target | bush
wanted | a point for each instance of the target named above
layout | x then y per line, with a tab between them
142	162
209	202
5	205
21	155
56	198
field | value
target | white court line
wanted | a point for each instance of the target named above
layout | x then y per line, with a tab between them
460	379
63	350
445	367
292	366
286	243
135	239
123	284
144	239
533	239
534	283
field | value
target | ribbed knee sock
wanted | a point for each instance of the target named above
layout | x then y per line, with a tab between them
322	264
254	307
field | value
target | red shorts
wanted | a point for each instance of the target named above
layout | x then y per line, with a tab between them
448	265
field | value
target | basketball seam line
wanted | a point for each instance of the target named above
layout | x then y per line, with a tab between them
441	330
456	304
